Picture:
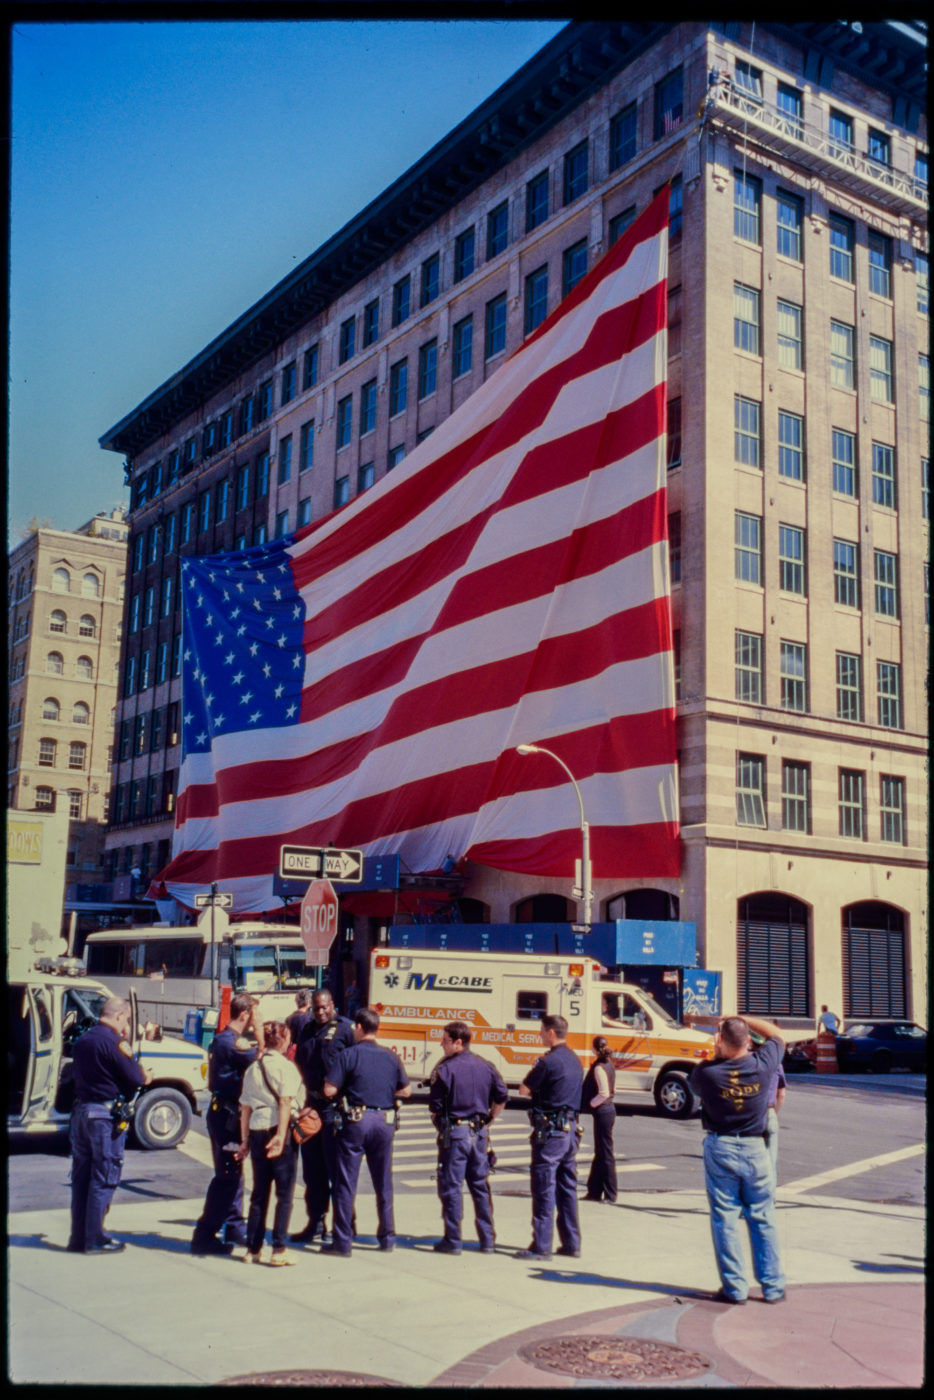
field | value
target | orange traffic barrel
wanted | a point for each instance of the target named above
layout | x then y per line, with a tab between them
826	1059
224	1016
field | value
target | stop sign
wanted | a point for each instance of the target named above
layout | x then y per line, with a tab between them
319	921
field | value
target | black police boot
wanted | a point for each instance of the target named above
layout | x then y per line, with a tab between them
207	1244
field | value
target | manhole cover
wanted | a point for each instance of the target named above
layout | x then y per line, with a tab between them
615	1358
308	1378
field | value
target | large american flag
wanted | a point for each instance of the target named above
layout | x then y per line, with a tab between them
365	683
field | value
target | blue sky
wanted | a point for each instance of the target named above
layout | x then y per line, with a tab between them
164	176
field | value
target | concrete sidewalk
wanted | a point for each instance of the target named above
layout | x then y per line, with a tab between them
635	1307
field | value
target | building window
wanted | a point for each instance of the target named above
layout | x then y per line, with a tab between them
844	463
341	491
401	300
464	247
47	751
745	318
204	511
74	807
790	446
748	79
191	452
791	559
841	247
77	756
152	554
223	495
674	320
880	264
264	404
304	512
878	147
924	388
747	668
889	694
669	99
175	459
347	337
371	322
495	342
427	369
623	137
54	664
366	475
790	343
750	789
846	573
840	131
748	548
398	387
61	579
925	488
842	359
57	621
139	544
892	808
149	606
849	687
922	283
282	524
536	201
673	429
463	346
793	673
145	668
619	224
790	106
51	709
289	379
310	368
162	669
368	407
880	369
573	266
747	201
789	212
675	210
188	521
796	796
883	475
396	455
45	799
81	713
851	802
746	431
575	172
921	174
430	284
243	486
886	583
497	230
247	415
344	415
169	534
306	449
674	547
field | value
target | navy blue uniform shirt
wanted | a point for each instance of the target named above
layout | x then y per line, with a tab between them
556	1079
102	1070
734	1094
368	1074
318	1050
463	1085
229	1064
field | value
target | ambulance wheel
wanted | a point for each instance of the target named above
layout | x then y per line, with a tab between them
162	1119
673	1098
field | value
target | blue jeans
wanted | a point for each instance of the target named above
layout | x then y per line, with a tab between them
740	1182
771	1127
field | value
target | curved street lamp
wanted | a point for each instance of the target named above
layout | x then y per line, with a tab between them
586	889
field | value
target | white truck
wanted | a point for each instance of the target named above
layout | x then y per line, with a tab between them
503	996
49	1008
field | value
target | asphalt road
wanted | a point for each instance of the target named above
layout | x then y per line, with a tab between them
850	1136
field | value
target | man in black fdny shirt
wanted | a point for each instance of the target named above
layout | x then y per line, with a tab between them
554	1085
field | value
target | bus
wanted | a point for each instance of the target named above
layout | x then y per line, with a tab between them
175	970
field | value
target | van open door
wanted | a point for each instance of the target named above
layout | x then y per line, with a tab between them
45	1056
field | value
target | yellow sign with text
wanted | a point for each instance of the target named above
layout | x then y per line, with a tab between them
23	842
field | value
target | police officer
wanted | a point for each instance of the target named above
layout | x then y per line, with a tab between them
369	1078
322	1039
554	1084
466	1094
230	1055
105	1072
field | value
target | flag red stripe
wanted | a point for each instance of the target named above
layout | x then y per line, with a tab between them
645	852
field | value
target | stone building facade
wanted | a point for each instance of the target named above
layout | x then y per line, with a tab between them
797	448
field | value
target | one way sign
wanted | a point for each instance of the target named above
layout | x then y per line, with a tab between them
320	863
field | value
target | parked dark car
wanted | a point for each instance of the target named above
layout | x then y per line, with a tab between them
882	1045
799	1056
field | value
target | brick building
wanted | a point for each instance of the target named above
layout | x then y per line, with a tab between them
797	448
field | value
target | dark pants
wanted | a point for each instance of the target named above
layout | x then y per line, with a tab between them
601	1183
465	1159
371	1138
223	1204
96	1164
554	1186
319	1169
266	1170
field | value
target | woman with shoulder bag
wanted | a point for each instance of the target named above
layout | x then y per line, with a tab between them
597	1099
270	1087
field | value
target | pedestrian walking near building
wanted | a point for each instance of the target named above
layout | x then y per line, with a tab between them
554	1084
271	1086
733	1090
324	1035
466	1094
597	1100
369	1078
232	1052
105	1074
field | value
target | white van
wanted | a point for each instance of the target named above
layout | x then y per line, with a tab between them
503	997
47	1012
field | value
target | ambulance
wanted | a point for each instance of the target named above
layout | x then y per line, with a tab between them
503	997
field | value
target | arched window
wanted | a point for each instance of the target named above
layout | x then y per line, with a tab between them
87	627
773	963
51	709
45	799
544	909
84	668
77	754
61	581
874	961
20	585
473	911
81	714
90	586
47	751
57	621
656	905
54	665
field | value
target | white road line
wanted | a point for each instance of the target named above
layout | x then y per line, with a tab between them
197	1147
412	1181
811	1183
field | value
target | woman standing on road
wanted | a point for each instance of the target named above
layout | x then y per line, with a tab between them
597	1099
270	1087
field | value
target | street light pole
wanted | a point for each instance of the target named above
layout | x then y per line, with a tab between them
586	883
